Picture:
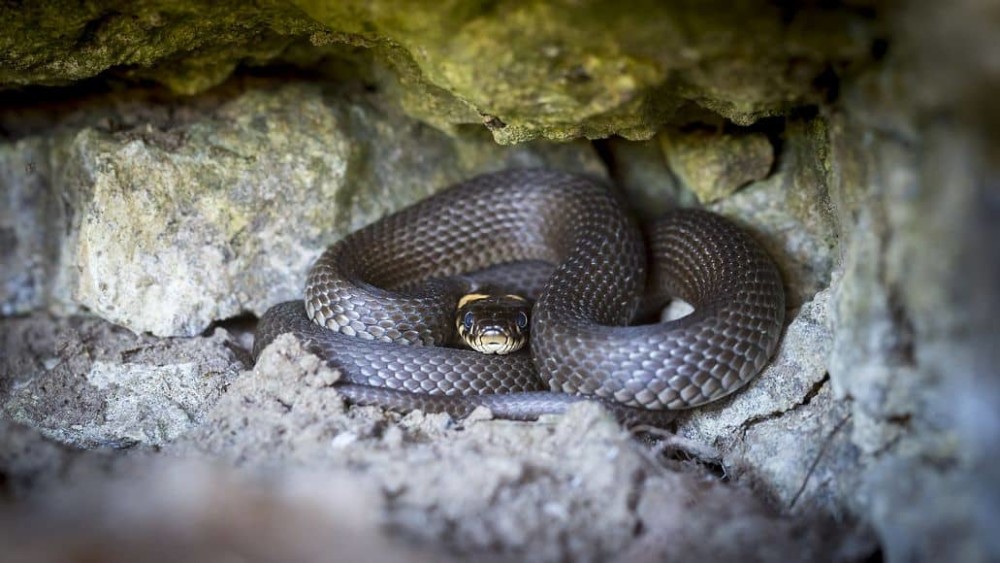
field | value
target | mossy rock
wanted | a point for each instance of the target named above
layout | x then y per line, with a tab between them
558	70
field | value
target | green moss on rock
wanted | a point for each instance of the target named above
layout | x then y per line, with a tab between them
558	70
715	165
187	45
569	69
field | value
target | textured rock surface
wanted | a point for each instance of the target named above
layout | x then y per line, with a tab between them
188	46
915	299
572	488
555	69
915	353
714	165
88	383
176	225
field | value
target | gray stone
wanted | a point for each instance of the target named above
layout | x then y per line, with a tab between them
87	383
575	487
914	354
713	165
28	248
173	228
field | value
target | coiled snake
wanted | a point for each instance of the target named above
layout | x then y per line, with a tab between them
393	283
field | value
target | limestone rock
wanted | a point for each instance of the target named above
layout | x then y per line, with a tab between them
187	46
715	165
87	383
172	227
914	354
558	70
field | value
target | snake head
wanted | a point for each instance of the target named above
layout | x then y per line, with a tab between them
493	324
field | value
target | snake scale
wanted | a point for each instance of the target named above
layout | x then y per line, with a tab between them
397	280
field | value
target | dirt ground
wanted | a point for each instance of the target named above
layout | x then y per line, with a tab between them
269	463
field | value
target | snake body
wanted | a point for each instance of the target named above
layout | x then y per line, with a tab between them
397	281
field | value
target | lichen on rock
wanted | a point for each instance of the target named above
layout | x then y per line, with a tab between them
525	70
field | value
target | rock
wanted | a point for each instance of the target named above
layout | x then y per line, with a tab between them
226	212
913	354
790	214
197	511
85	382
714	166
641	171
553	70
186	46
578	477
729	526
28	251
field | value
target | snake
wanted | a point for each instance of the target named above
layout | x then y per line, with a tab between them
492	323
379	305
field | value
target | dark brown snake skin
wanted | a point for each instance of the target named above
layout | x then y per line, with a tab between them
365	292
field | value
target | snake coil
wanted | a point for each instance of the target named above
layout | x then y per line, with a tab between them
393	282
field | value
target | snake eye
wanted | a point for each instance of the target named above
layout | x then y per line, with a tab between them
467	320
522	319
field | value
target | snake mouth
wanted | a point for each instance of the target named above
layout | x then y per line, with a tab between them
494	341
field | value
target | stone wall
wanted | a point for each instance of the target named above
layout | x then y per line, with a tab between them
169	170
